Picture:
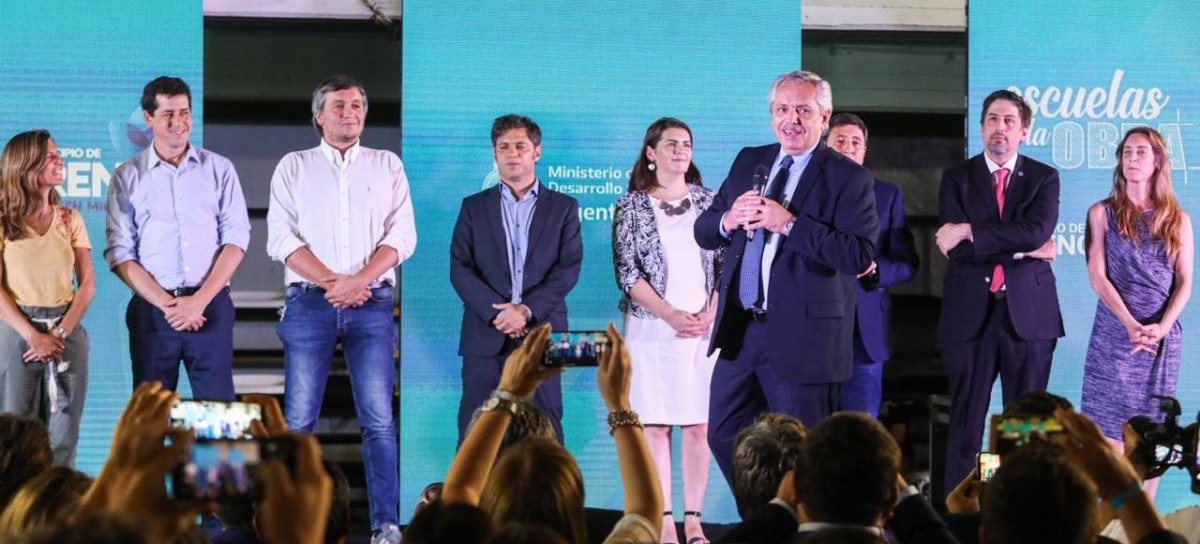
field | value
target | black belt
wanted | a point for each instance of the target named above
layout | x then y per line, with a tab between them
187	291
756	314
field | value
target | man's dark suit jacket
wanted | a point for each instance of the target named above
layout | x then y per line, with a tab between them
1029	218
479	265
913	521
896	259
812	279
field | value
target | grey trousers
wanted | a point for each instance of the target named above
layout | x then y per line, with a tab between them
25	388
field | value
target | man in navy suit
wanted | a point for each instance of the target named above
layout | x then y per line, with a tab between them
1000	311
515	254
785	316
896	262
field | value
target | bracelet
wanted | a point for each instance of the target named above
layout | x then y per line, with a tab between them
622	418
1123	497
60	332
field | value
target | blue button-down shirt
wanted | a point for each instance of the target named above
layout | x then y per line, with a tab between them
173	220
516	215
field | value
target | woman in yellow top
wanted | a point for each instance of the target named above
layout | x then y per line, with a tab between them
46	275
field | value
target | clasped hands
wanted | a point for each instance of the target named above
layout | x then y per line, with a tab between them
185	314
752	211
691	325
512	319
1145	337
43	346
346	291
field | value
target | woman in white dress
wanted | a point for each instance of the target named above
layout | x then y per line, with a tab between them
669	304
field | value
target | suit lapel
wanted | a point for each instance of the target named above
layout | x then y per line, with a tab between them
495	223
812	172
983	184
541	215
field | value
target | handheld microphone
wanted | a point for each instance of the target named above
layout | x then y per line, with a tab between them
759	184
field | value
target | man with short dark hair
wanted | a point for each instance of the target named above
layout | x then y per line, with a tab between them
176	232
341	219
1038	497
1000	312
896	262
515	254
847	476
847	471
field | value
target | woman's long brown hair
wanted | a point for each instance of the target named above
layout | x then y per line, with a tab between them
1167	215
20	167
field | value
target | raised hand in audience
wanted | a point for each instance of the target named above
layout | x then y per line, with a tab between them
272	423
964	498
643	493
1116	481
523	372
295	506
132	483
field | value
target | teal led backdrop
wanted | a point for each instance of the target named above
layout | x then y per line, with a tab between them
77	68
594	75
1090	70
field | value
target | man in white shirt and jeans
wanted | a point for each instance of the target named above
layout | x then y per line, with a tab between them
341	219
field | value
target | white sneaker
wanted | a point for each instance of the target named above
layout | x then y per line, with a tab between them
386	534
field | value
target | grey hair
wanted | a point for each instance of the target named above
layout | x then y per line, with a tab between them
762	454
336	83
824	91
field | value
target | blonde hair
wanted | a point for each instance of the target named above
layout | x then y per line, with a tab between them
1167	216
20	169
47	500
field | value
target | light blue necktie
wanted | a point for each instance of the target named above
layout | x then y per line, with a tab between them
750	286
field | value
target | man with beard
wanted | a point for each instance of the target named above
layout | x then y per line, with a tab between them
999	302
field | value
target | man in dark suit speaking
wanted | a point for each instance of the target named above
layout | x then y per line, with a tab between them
999	301
515	254
895	263
785	320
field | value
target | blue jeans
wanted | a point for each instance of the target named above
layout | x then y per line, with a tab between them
310	329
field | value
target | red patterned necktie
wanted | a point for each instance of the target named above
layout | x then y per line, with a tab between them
1001	187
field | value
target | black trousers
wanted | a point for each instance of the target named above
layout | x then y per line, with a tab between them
972	367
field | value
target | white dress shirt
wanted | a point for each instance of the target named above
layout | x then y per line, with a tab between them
342	208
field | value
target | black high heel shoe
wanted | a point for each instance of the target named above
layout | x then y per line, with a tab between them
695	539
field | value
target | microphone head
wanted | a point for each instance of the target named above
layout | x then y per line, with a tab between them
759	182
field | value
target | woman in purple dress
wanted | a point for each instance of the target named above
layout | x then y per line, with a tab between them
1140	264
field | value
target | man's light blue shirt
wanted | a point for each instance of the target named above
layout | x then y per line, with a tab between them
516	216
173	220
799	163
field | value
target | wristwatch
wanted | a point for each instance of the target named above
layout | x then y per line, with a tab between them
787	227
497	403
506	395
